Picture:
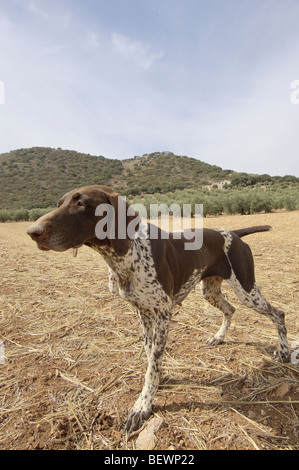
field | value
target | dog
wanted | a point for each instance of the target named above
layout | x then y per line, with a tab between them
156	274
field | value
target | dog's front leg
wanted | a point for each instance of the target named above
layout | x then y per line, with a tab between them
147	324
157	337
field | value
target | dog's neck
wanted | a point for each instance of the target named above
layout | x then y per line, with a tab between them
125	265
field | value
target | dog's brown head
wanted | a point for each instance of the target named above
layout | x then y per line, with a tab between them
79	213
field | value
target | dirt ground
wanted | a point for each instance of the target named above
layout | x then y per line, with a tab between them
74	359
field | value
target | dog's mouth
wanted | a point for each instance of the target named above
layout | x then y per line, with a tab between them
75	249
42	248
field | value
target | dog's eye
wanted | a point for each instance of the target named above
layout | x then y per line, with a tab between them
77	200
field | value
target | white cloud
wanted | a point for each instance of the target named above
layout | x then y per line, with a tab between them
76	87
135	52
93	39
55	16
34	8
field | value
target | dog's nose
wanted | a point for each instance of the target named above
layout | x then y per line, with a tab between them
35	231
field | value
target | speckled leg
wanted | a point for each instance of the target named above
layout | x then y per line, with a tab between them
211	290
146	320
254	299
156	336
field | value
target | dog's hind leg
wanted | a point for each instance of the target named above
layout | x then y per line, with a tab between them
254	299
242	280
211	291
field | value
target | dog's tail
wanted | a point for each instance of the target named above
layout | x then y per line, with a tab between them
247	231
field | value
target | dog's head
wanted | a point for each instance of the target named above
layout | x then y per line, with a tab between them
94	215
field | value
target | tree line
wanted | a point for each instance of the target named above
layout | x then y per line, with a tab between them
237	201
215	202
22	214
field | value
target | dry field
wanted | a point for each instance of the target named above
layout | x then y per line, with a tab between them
74	359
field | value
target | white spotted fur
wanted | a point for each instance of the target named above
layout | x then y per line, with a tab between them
134	278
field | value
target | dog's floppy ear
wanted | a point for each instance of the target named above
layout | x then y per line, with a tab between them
123	215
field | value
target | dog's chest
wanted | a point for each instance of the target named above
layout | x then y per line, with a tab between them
134	277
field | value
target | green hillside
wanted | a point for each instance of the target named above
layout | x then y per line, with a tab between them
38	177
162	172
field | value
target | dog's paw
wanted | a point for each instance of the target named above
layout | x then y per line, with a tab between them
281	356
215	340
135	420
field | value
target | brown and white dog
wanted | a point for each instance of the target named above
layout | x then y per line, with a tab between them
156	274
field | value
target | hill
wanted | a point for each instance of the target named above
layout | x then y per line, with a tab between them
37	177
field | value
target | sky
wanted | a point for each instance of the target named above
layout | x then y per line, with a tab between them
216	80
